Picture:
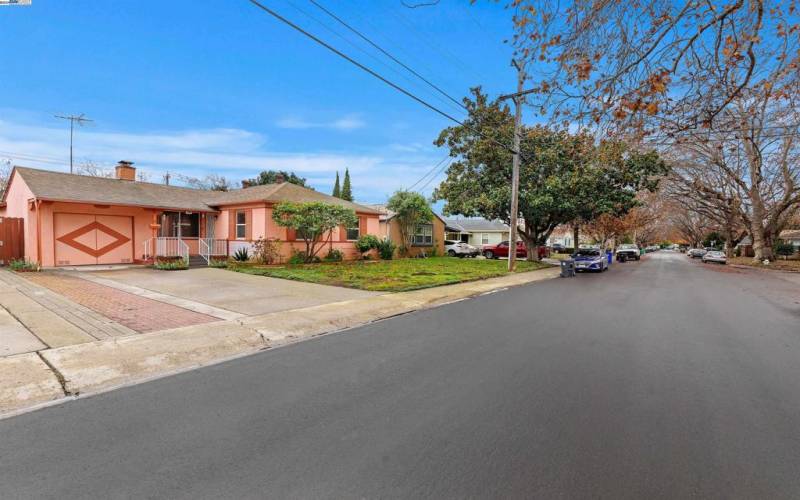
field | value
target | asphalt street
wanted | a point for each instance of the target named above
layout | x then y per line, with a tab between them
664	378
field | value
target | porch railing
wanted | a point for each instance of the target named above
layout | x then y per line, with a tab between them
211	247
167	247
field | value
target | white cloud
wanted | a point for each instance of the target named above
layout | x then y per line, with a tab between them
234	153
345	123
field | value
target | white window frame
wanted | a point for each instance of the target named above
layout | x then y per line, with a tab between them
238	224
484	238
356	228
425	240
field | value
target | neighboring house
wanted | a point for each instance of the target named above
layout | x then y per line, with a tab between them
426	237
79	220
791	236
562	235
476	231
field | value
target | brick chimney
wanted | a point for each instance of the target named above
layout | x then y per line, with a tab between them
279	178
126	171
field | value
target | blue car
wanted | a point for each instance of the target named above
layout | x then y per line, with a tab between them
590	259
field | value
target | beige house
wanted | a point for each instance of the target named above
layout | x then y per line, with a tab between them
476	231
427	237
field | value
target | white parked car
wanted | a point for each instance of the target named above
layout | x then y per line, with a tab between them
629	251
460	249
715	256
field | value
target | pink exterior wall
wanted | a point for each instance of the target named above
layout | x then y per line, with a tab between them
264	225
17	206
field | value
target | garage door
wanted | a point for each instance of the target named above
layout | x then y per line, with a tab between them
93	239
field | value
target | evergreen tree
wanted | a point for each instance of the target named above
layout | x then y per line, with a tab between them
347	192
337	191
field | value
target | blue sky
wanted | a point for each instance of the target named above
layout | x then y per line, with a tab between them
199	87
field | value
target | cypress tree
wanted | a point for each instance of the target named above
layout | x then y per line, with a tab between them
337	192
347	192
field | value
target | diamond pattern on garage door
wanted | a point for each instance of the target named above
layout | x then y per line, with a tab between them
91	239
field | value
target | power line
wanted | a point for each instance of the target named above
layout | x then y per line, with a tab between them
372	56
387	54
428	172
372	72
434	176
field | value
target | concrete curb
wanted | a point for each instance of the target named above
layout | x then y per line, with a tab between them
103	365
27	381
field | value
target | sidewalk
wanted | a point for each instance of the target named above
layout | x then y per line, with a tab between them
34	379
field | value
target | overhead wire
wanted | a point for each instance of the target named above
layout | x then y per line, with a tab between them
387	54
374	73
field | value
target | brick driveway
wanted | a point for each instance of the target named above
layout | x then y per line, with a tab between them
137	313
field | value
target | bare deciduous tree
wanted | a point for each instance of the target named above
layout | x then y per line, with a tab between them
5	174
91	169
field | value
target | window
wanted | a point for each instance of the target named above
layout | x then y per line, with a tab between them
241	225
183	224
353	232
484	238
423	235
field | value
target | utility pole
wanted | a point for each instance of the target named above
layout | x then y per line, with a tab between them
518	98
80	120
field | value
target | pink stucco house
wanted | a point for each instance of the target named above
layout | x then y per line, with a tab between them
80	220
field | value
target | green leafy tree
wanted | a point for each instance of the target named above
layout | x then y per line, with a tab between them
312	221
347	190
714	239
563	176
410	209
337	191
271	177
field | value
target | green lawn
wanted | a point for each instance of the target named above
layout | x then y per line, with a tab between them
393	275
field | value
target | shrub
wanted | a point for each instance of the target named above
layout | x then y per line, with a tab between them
334	255
435	248
365	243
386	249
218	263
784	248
241	255
299	257
266	250
22	265
170	265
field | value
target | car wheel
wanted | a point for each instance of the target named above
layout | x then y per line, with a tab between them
451	253
488	254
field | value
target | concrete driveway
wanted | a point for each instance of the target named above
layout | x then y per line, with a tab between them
238	292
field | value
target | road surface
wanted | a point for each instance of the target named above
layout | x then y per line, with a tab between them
663	378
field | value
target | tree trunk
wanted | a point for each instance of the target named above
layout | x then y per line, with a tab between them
762	236
531	248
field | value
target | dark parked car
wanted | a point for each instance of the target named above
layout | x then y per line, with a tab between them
501	250
590	259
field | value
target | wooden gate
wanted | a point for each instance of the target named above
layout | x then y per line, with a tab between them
12	240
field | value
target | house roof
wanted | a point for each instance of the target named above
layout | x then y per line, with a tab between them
477	225
790	234
286	191
386	214
58	186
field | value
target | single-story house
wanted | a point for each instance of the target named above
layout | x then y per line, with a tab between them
477	231
80	220
791	236
426	237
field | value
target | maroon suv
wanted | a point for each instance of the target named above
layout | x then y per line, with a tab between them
501	250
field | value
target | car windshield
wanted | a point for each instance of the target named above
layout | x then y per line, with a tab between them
588	252
627	246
